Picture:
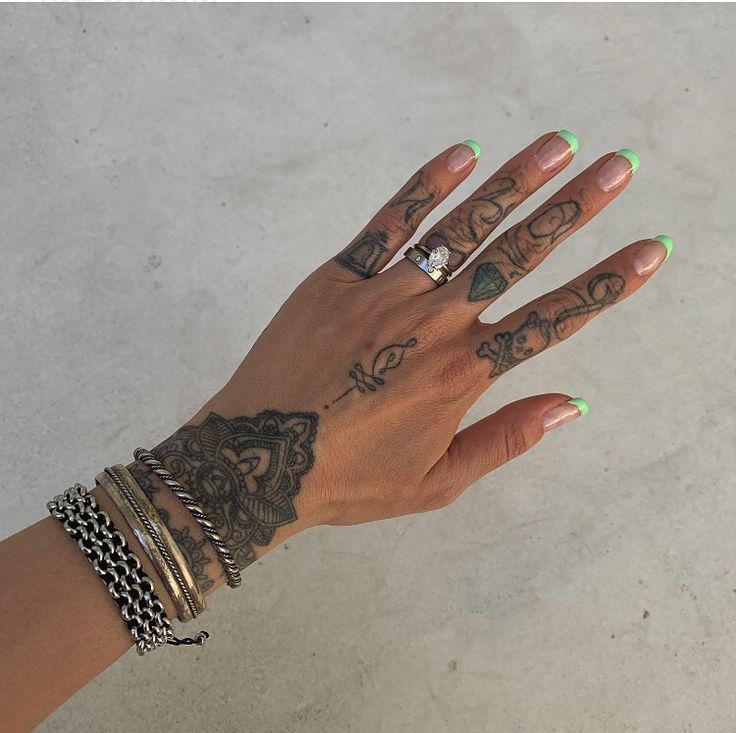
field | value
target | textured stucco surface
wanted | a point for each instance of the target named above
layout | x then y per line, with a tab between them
170	173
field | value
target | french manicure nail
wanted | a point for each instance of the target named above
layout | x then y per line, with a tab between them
652	254
567	411
617	169
556	150
463	155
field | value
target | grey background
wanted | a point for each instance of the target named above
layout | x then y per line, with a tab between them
170	173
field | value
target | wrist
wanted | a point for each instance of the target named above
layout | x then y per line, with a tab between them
244	467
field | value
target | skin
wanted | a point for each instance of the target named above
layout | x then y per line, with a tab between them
326	423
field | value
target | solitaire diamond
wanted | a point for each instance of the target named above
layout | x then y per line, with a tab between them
438	257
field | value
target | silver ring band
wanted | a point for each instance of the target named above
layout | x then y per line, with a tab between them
433	262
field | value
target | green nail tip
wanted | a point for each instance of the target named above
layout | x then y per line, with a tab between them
631	156
581	404
571	140
666	241
473	146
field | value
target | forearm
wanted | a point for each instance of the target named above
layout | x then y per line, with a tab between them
59	626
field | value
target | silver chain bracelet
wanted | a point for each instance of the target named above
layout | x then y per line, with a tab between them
118	567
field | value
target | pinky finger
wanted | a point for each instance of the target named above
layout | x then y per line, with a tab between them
496	439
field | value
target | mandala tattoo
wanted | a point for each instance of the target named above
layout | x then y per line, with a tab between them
192	549
412	198
389	357
363	255
244	471
487	283
536	333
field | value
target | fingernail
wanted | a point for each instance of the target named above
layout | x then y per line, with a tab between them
667	242
617	169
574	408
652	254
557	149
463	155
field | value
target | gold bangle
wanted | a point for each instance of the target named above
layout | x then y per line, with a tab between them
155	539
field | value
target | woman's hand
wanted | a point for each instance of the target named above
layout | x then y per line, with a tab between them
346	409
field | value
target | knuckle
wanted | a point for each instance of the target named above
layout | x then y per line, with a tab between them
457	367
556	310
445	496
445	491
514	441
395	225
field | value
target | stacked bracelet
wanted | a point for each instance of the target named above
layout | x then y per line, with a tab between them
119	569
155	539
228	563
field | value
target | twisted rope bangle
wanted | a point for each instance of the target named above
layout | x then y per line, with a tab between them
231	569
155	539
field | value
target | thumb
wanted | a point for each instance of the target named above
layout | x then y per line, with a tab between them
497	438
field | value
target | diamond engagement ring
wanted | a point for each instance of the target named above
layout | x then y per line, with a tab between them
432	261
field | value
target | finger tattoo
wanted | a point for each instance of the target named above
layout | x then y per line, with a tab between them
487	282
535	334
487	210
363	255
412	199
520	248
513	347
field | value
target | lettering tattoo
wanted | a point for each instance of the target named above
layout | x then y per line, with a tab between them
535	334
245	472
524	245
412	199
601	291
468	225
364	254
486	211
192	549
389	357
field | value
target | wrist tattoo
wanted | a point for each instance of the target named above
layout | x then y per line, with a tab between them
389	357
244	471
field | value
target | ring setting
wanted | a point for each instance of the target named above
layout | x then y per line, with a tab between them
432	261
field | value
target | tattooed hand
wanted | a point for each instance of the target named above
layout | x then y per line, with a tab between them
347	407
